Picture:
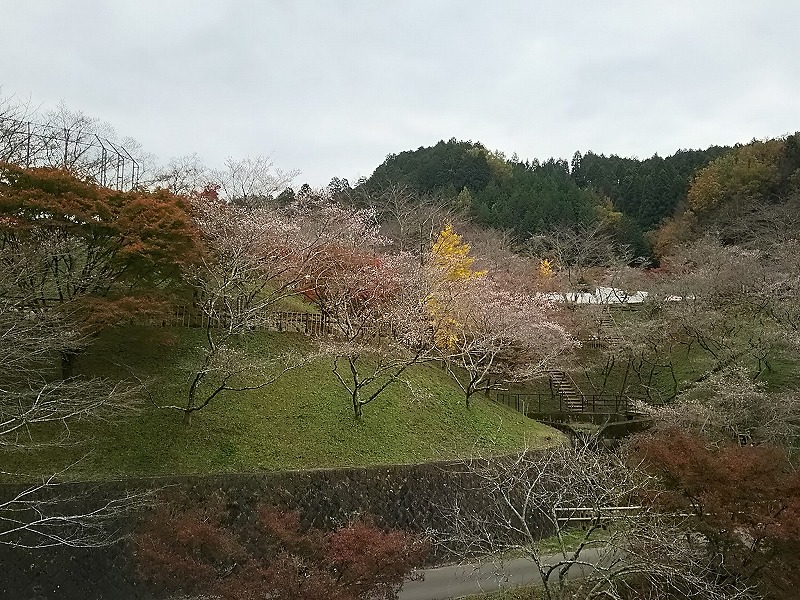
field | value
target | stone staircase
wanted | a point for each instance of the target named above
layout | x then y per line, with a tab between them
565	388
609	333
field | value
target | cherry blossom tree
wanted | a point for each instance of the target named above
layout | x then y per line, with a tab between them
376	308
253	258
256	256
30	397
730	406
485	334
251	180
724	309
490	336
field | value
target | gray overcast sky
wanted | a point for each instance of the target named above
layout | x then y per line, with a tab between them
331	87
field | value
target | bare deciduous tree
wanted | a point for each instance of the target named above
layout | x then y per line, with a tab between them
604	545
37	409
182	175
49	514
411	221
62	138
31	342
15	117
574	250
252	180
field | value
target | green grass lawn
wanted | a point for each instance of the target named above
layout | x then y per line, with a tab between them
304	420
532	592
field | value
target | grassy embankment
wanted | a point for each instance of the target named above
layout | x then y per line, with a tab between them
689	364
304	420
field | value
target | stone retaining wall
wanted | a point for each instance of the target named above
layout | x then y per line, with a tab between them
410	497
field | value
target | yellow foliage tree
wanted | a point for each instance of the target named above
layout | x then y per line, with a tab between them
452	256
452	262
745	173
545	269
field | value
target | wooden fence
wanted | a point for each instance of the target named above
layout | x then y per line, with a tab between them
312	324
301	322
550	403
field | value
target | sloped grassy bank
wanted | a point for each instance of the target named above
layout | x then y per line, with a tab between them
301	421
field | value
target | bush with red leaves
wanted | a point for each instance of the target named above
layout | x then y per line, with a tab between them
202	549
744	504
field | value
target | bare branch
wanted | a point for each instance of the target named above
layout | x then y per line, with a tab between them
586	501
51	514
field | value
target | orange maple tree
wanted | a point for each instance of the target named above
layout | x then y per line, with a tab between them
73	240
744	502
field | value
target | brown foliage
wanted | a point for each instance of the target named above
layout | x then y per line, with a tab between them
193	548
183	548
744	503
77	240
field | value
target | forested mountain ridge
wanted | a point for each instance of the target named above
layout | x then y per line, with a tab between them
749	196
647	191
632	195
502	193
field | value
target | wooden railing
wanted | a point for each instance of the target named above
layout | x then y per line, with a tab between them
301	322
598	514
548	403
530	403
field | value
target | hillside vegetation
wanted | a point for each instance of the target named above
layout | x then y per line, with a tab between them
415	316
629	195
301	421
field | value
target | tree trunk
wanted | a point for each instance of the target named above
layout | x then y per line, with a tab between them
358	408
68	364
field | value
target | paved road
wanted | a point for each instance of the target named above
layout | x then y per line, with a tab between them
462	580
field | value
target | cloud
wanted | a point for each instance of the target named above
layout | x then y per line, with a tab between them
332	88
